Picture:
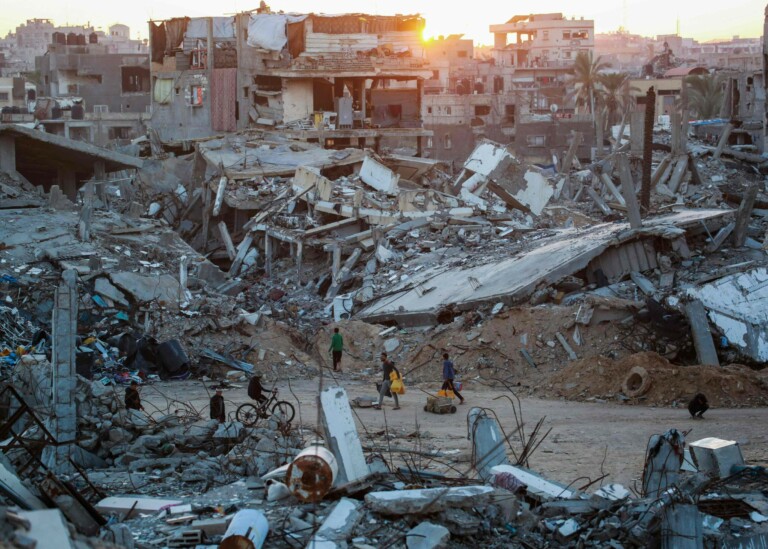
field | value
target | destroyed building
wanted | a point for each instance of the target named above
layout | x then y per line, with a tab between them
339	80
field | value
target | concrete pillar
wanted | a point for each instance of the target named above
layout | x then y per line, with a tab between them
68	183
706	353
7	153
336	267
300	258
268	254
64	328
100	175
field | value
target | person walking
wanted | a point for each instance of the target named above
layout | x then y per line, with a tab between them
387	367
217	407
449	373
336	348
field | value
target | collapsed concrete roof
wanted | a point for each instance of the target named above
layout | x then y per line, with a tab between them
40	155
417	300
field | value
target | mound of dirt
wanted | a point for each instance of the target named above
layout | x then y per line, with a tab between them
658	382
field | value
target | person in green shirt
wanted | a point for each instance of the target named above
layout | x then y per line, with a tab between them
337	346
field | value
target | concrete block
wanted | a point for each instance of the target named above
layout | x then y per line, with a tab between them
163	288
212	527
681	527
427	536
338	526
716	457
431	500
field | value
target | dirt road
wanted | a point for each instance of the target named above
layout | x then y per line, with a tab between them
587	439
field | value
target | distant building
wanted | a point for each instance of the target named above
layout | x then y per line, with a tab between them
542	40
337	79
105	81
623	51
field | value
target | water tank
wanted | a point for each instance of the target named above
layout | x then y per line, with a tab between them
56	113
71	39
81	40
77	112
93	38
59	38
31	95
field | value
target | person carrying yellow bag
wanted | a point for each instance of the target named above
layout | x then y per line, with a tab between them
396	383
449	373
387	369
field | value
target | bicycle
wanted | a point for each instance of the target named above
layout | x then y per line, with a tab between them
249	414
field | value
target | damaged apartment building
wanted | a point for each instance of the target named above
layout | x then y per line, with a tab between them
339	80
518	94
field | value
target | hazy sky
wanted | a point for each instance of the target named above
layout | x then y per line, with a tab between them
700	19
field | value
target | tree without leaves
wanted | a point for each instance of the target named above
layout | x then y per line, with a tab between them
705	95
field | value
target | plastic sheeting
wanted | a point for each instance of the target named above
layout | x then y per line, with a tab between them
223	27
267	30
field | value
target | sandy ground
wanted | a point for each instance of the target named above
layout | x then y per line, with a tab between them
587	440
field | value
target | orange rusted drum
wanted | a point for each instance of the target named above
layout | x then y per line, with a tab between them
312	474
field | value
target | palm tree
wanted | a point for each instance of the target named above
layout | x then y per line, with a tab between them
585	80
614	92
705	95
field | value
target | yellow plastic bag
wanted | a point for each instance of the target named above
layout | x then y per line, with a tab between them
397	386
446	393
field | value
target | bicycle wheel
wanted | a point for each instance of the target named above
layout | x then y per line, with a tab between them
247	414
283	411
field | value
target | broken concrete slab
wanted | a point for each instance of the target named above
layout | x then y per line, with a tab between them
48	529
16	491
163	288
104	287
427	536
430	500
377	175
338	526
534	191
535	484
139	504
664	457
513	279
341	435
736	305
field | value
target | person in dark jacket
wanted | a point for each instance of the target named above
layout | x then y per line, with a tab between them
255	389
697	406
217	407
132	398
449	373
387	367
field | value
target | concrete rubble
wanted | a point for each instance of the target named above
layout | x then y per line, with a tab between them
237	255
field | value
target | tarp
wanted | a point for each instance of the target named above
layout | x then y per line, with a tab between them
223	27
267	30
224	100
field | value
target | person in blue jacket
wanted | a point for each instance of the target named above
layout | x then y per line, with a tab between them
449	373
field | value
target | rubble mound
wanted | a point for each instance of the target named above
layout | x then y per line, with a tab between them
655	381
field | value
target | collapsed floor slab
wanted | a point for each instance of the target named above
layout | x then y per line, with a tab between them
416	301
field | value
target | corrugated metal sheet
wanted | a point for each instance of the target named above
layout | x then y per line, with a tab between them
620	261
319	43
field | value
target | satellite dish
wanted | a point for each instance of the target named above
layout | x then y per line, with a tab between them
553	108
